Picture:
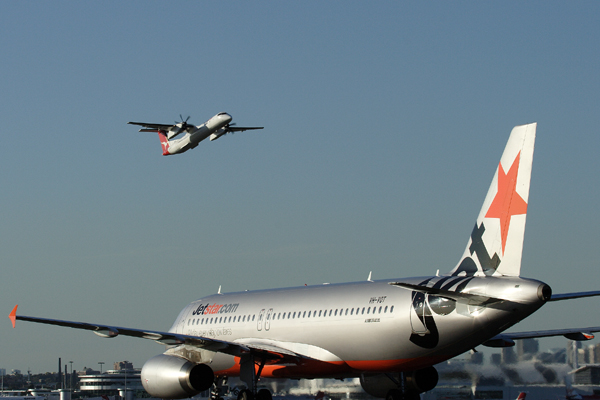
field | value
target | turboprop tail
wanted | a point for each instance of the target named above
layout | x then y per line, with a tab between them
496	243
164	142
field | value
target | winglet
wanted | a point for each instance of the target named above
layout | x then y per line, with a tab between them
13	315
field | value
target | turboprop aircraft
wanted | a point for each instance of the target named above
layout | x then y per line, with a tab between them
214	128
390	333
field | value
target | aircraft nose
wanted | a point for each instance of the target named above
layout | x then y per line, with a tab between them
225	117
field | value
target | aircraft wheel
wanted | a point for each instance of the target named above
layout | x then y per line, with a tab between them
245	395
394	394
412	396
264	394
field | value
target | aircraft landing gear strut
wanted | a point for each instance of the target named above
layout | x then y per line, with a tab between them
216	392
250	375
403	392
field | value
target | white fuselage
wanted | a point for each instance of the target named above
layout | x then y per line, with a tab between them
357	327
198	134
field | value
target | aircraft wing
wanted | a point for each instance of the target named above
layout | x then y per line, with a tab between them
151	127
269	352
242	129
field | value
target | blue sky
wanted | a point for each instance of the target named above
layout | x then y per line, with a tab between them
384	122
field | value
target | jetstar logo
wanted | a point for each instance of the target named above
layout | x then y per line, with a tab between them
208	309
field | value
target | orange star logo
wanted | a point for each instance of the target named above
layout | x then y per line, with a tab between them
507	201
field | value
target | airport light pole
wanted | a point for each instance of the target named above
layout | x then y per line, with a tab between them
101	363
71	380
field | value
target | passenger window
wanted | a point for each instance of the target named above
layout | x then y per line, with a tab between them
309	314
335	314
289	315
304	314
352	311
330	311
363	310
385	310
379	309
253	317
346	312
392	309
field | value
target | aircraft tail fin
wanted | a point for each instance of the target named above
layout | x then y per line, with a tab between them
496	243
164	143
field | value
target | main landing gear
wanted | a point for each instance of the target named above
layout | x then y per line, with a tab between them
400	385
396	394
250	375
216	393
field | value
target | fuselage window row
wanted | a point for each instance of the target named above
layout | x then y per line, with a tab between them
290	315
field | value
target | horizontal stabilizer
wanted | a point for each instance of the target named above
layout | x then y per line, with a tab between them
571	333
151	127
574	295
473	298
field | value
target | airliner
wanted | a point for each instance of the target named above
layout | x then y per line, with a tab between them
390	333
214	128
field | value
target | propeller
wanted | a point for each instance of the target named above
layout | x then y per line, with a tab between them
184	124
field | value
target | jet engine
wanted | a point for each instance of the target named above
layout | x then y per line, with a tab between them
171	377
418	381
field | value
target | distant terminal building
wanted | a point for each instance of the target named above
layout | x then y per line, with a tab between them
123	365
113	382
587	375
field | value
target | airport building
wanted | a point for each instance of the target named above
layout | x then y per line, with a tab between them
126	382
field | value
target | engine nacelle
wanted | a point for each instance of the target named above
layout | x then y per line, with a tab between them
419	381
422	380
171	377
218	134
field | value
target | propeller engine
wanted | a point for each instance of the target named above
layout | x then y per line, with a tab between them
223	131
179	127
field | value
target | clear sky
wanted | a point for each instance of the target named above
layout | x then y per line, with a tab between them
384	122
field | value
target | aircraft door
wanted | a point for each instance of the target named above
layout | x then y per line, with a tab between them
418	311
268	319
182	318
261	315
